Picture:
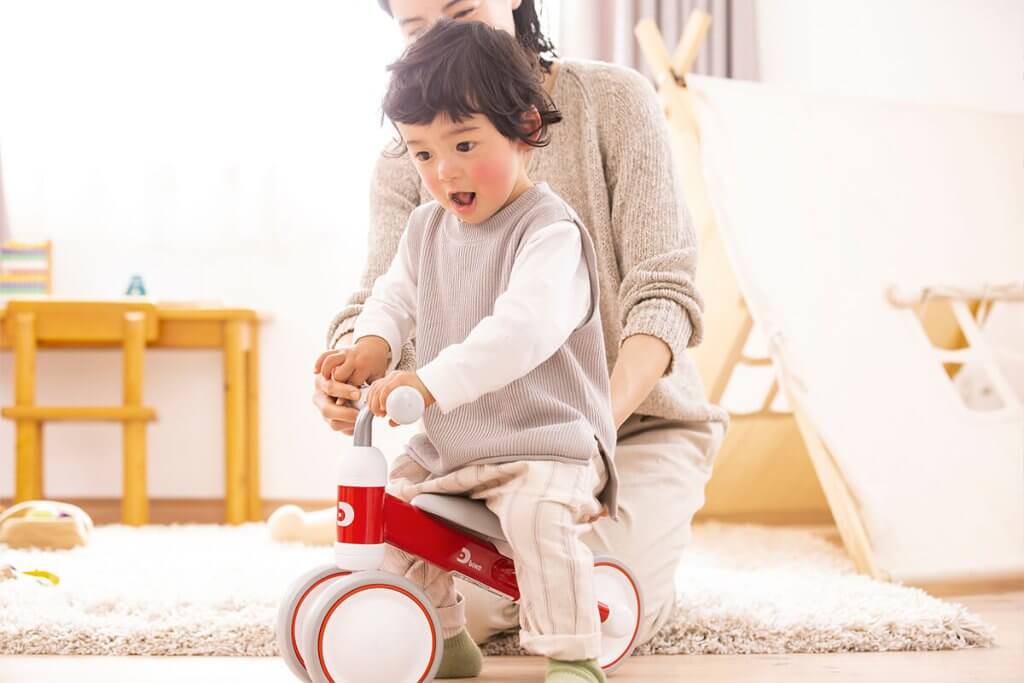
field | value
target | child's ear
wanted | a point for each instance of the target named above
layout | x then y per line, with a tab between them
530	123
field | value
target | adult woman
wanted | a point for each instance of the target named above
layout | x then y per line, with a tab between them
610	159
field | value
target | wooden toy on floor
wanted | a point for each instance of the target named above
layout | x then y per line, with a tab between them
45	524
292	523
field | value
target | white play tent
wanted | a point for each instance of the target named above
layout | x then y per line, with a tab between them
860	237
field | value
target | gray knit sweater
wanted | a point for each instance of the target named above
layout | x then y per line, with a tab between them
610	159
560	410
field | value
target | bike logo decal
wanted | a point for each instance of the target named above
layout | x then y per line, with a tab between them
464	557
346	514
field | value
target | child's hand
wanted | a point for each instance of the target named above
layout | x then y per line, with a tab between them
340	373
355	365
377	396
603	512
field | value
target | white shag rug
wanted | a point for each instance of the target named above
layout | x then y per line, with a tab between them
214	590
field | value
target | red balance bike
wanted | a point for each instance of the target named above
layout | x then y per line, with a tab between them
349	622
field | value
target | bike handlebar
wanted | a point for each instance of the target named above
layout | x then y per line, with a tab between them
404	406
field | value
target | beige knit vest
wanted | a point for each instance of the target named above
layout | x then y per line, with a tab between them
560	410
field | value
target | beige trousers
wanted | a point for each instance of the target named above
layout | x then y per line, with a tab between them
543	506
663	467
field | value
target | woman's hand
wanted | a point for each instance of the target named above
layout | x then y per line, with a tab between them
377	397
340	373
642	361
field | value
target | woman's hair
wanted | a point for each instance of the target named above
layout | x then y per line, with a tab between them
463	68
528	32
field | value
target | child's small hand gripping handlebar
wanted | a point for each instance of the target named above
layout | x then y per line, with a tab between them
405	405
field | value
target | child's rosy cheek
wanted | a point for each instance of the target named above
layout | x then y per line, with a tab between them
488	173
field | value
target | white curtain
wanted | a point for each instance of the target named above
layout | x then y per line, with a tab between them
219	132
603	29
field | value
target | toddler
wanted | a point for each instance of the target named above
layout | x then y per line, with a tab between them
497	281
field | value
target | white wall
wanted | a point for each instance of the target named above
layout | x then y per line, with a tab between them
959	52
220	148
964	53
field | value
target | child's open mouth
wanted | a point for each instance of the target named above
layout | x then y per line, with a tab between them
463	202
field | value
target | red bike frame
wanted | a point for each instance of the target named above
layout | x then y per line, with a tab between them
418	533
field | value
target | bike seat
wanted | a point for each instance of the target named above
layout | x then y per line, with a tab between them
467	513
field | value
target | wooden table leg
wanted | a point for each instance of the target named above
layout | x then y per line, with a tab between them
28	469
235	495
134	496
28	437
252	415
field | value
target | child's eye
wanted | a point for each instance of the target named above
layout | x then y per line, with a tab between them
461	14
423	156
465	146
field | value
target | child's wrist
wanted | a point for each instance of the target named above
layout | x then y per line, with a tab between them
378	346
428	397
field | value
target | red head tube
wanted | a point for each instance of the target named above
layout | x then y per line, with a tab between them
362	476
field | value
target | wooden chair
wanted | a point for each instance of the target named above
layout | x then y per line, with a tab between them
30	323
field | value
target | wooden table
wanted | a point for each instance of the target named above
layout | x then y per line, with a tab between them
236	332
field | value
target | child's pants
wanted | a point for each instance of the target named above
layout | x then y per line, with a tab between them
663	467
543	506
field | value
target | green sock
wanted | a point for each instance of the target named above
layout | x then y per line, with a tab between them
461	658
579	671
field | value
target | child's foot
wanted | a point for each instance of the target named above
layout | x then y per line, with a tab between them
461	658
579	671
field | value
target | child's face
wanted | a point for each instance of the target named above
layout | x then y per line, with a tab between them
469	167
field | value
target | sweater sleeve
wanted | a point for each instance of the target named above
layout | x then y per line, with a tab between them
394	193
655	244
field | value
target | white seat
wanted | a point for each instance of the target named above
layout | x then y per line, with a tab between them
471	515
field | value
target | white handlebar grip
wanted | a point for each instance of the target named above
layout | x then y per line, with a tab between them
405	405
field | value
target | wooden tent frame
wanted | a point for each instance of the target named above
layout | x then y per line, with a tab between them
774	466
763	472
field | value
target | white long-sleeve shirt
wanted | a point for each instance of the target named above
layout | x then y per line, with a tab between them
547	298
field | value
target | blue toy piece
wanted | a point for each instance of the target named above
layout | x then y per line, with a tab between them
136	287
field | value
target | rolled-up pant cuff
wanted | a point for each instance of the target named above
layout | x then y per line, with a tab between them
565	647
453	617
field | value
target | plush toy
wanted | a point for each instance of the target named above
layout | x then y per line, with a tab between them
45	524
290	523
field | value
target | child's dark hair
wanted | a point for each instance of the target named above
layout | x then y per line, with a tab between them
528	32
462	68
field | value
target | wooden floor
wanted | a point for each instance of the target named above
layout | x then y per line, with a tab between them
1005	662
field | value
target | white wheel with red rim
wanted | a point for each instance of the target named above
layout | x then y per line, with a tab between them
615	586
291	622
372	627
